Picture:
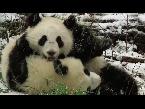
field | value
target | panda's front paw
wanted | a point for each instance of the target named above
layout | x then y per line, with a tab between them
59	68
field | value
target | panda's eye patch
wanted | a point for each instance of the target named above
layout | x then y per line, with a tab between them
42	40
60	42
87	72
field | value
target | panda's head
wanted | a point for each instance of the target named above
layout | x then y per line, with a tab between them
48	36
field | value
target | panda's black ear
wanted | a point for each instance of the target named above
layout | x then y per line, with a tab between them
33	19
70	22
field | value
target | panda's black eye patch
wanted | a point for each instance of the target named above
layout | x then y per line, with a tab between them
87	72
42	40
60	42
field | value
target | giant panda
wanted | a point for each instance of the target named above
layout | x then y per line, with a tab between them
83	46
39	40
34	74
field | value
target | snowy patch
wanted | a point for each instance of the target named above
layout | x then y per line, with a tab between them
57	15
118	16
5	91
8	16
142	18
120	50
138	72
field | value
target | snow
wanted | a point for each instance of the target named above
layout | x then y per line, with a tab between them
138	71
57	15
120	50
118	16
142	17
114	17
5	91
2	42
8	16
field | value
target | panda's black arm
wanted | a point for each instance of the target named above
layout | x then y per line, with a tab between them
18	71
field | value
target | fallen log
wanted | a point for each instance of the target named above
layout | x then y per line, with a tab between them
128	59
132	59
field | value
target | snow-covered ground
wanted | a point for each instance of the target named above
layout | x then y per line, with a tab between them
8	16
4	90
105	23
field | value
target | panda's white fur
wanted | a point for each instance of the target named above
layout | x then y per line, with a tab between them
96	64
42	76
52	28
5	58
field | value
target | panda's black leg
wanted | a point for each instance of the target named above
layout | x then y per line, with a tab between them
59	68
116	81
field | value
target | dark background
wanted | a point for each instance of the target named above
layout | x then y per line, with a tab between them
72	6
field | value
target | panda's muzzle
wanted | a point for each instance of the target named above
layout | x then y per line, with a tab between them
51	53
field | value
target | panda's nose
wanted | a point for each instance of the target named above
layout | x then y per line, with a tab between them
51	53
